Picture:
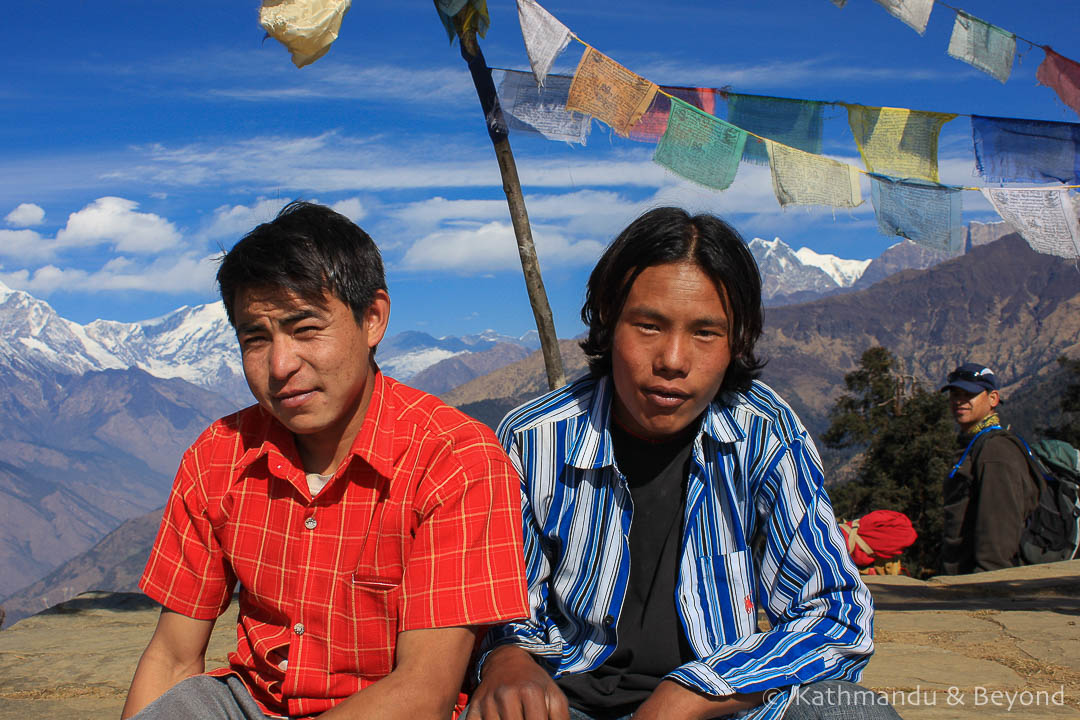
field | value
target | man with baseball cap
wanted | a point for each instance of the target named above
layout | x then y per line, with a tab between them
990	492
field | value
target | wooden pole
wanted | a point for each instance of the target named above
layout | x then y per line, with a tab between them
519	216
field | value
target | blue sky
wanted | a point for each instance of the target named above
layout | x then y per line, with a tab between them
141	137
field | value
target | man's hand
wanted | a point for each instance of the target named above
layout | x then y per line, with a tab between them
672	701
176	651
515	687
424	684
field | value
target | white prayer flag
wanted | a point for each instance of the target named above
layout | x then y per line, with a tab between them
545	37
801	178
528	108
1045	218
983	45
915	13
305	27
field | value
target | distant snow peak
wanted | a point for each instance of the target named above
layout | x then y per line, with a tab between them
844	272
769	246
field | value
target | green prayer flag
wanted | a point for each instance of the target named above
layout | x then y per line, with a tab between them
700	147
795	123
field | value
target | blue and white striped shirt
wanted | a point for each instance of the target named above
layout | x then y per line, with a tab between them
754	470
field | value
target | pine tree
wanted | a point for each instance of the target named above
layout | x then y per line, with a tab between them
1068	428
907	439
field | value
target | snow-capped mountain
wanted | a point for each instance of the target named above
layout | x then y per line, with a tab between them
784	274
843	272
192	343
408	353
196	344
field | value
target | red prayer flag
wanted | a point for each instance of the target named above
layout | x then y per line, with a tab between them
653	123
1063	76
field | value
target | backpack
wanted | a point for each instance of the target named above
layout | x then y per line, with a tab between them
1053	531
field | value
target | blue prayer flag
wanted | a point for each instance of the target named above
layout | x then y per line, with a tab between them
928	213
795	123
1013	150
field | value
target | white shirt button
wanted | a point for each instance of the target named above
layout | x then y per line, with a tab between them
310	523
298	628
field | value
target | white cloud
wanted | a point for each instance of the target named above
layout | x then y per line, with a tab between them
43	281
783	73
351	208
492	247
25	245
590	212
171	275
25	215
113	220
237	220
389	84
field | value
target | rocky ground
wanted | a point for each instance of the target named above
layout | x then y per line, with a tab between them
994	645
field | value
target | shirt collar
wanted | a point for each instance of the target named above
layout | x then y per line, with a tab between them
374	443
591	447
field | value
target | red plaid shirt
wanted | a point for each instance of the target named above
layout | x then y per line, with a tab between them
420	527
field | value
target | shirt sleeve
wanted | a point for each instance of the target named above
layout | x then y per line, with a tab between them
465	566
1004	487
820	612
527	632
187	571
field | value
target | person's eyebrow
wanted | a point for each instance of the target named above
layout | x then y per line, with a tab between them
300	315
292	318
649	313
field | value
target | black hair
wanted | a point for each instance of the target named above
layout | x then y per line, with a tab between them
669	235
308	250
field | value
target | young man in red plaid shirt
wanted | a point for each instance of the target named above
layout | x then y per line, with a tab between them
373	530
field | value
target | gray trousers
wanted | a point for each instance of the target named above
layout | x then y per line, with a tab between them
201	697
826	700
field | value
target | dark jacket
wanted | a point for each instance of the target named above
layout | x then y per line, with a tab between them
987	503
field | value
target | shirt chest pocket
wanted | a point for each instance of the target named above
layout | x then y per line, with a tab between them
368	631
726	591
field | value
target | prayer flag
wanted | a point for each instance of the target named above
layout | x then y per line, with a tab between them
545	37
528	108
983	45
928	214
654	122
897	141
1062	75
1046	218
475	18
915	13
609	92
306	27
795	123
801	178
700	147
1012	150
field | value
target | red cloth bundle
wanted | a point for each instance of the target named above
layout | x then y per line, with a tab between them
878	536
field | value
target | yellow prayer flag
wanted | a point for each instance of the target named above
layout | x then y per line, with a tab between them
306	27
898	142
802	178
609	92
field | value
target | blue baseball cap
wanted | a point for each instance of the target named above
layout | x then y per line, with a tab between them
973	378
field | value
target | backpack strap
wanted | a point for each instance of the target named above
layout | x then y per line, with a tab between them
971	444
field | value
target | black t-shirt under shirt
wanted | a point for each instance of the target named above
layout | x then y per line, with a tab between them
650	635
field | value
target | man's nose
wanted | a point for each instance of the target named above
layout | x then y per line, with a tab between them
284	360
674	355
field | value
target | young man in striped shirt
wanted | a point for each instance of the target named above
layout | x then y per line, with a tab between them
372	529
668	497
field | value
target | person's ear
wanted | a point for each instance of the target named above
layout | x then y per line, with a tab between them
377	317
994	398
